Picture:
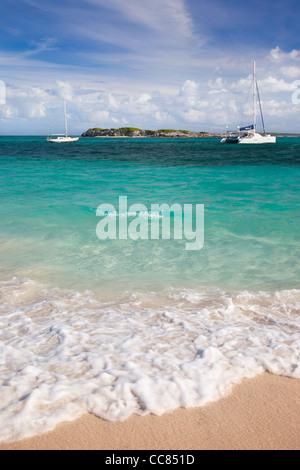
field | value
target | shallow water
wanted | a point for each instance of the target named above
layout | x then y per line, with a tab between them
117	327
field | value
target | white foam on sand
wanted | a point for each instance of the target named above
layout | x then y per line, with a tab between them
66	353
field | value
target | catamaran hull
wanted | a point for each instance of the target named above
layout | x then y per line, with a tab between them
250	139
229	140
258	139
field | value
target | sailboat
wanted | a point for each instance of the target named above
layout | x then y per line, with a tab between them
60	138
248	134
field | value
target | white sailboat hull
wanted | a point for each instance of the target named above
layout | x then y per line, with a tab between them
250	138
60	140
257	139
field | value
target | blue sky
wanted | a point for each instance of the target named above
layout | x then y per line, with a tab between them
147	63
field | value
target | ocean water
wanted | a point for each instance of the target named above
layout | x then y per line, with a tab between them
116	327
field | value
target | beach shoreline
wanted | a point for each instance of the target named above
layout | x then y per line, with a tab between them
262	413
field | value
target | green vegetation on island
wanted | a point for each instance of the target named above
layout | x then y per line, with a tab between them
129	130
136	132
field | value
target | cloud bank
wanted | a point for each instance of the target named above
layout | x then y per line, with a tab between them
149	64
211	105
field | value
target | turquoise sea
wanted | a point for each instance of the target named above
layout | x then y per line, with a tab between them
116	327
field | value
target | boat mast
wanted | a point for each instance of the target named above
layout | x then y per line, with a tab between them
254	95
66	125
261	113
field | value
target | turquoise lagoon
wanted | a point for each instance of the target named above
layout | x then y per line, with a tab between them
117	327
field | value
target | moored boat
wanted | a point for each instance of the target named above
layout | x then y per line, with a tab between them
62	138
248	134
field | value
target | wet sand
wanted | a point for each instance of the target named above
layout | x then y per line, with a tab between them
261	413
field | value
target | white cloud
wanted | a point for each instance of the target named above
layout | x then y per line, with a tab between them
189	93
266	84
2	92
47	44
167	16
275	85
218	86
194	116
63	90
189	89
212	104
144	98
278	55
162	116
189	108
291	72
101	116
27	102
7	112
280	109
243	85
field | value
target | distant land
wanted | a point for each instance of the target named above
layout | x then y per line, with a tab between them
135	132
285	134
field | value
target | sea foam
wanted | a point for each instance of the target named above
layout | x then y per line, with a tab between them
68	353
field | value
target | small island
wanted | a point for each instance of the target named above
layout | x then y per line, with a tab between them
135	132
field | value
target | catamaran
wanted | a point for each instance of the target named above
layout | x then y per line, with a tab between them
60	138
248	134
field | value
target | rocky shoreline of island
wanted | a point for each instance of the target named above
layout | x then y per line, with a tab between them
135	132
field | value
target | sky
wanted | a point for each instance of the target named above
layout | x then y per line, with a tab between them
152	64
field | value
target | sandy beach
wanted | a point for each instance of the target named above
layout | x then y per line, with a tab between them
261	413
